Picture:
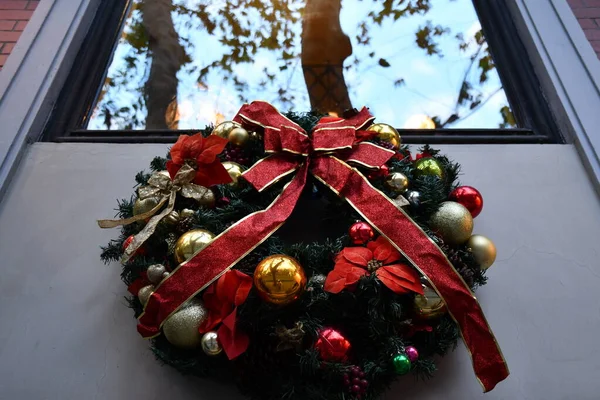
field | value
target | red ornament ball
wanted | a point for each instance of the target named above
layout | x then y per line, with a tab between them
139	252
469	197
332	345
361	233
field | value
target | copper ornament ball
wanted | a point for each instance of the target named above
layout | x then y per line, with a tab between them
279	279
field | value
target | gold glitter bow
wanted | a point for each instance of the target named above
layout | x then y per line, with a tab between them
159	185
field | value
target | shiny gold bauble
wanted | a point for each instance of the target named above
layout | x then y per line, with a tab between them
181	328
191	242
429	166
238	136
210	344
143	206
483	250
235	171
223	129
397	182
428	305
279	279
155	273
144	294
386	133
453	222
187	213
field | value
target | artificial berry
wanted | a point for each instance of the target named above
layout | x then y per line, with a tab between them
364	383
356	389
356	381
346	381
361	375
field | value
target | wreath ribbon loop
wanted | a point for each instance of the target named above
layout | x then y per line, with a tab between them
327	154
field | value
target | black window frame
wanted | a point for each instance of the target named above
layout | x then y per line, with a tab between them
521	85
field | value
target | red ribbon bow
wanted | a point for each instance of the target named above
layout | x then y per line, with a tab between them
327	155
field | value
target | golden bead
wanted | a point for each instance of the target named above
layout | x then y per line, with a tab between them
453	222
192	242
172	218
428	305
238	136
397	182
187	213
429	166
143	206
386	133
181	327
235	171
210	344
279	279
224	128
483	249
144	294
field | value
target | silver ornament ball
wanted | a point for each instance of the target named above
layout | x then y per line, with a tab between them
414	198
210	344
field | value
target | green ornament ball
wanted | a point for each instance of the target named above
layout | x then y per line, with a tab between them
401	364
429	166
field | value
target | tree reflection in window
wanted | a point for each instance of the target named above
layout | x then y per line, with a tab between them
416	63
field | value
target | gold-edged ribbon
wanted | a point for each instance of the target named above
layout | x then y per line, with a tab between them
159	186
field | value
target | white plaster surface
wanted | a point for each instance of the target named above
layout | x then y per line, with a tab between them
66	333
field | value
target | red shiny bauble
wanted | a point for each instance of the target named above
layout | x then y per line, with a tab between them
469	197
361	233
139	252
332	345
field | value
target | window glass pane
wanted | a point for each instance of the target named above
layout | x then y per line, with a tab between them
183	64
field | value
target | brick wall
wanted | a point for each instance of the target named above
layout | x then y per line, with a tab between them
588	15
14	15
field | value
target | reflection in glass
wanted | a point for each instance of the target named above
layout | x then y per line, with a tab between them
184	64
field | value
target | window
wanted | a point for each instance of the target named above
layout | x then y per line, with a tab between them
424	66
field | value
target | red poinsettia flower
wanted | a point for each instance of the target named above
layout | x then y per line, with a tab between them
379	258
201	153
221	300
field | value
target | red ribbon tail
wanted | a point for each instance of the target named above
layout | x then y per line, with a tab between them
196	274
391	222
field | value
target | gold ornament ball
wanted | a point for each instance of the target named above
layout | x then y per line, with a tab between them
155	273
279	279
483	249
208	199
210	344
386	133
187	213
453	222
144	294
235	171
397	182
224	128
428	305
143	206
191	242
181	328
429	166
238	136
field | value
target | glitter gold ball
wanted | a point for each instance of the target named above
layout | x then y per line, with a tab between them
453	222
144	294
155	273
483	249
397	182
181	328
428	305
238	136
191	242
279	279
386	133
210	344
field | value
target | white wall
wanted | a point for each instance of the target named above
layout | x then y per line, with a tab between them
66	333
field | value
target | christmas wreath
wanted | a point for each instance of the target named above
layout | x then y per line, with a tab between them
307	251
